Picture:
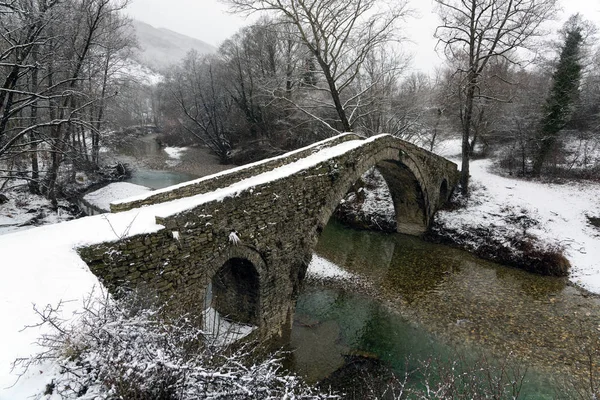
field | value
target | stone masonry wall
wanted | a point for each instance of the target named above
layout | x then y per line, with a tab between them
278	223
226	178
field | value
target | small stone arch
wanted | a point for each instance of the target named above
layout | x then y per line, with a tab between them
235	287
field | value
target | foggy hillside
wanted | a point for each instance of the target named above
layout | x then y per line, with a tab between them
160	47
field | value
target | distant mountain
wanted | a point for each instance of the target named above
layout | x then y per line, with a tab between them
160	47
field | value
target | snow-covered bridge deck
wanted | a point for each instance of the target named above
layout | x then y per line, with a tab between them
179	240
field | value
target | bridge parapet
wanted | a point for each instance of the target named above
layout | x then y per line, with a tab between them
223	179
277	218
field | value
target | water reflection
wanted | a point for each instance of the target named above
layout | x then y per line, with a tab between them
441	295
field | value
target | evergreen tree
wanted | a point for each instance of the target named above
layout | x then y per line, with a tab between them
565	87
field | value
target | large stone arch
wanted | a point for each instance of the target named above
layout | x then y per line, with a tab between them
403	176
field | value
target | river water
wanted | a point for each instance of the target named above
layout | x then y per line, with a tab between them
152	166
417	300
423	300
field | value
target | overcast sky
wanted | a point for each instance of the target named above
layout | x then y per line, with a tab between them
209	21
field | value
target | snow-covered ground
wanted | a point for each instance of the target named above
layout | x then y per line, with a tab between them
175	154
321	268
41	266
24	210
222	332
582	152
560	212
368	204
142	74
102	198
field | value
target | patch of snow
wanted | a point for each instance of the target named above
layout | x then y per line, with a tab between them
222	332
102	198
449	147
138	72
560	210
234	238
175	152
321	268
582	152
378	200
54	272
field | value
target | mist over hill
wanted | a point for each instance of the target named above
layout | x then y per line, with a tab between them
161	47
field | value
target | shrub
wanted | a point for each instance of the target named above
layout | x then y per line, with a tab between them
470	378
516	249
123	349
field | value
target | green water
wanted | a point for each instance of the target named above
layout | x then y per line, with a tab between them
423	300
158	179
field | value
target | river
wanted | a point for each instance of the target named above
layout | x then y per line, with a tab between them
418	300
425	300
152	166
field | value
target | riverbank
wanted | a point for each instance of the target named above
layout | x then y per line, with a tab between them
551	218
541	227
146	153
21	209
542	322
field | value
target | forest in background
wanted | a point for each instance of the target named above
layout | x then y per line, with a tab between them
306	70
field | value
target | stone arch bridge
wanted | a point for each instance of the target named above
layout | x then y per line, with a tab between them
277	207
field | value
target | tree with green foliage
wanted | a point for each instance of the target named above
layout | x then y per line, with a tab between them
565	87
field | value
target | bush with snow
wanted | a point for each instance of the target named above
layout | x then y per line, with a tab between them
500	233
125	349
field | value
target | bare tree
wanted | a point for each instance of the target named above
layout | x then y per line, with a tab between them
106	64
259	63
197	89
22	32
475	32
381	107
55	61
339	35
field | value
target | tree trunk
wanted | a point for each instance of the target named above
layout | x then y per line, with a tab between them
34	183
335	95
466	146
